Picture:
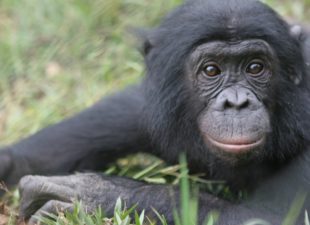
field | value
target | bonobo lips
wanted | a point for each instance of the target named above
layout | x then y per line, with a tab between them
241	145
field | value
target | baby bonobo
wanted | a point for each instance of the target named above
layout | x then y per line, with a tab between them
227	83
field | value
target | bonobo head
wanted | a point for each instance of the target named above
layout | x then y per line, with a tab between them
227	84
230	79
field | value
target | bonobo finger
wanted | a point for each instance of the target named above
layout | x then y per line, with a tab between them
37	190
60	180
53	207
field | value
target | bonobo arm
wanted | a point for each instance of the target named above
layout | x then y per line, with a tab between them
273	199
53	194
271	202
87	141
278	192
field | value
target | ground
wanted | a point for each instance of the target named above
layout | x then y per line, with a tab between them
58	57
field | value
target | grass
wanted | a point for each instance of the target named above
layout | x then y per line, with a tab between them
58	57
55	52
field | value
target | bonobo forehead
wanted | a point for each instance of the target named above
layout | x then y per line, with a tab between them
223	49
230	21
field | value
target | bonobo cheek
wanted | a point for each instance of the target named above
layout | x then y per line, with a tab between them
234	132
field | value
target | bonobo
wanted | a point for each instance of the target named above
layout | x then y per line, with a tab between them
227	82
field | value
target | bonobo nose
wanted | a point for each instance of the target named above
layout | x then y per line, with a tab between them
234	98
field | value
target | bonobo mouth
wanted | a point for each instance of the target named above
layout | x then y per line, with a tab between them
241	145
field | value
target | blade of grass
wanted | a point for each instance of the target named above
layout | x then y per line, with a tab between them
295	209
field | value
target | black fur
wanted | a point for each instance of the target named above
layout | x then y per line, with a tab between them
172	117
159	116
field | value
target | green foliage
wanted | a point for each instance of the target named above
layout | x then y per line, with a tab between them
80	216
307	220
54	52
189	203
295	209
188	212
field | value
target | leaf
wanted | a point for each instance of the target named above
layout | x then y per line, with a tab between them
118	205
307	222
141	218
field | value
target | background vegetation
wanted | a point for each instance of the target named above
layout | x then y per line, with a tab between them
60	56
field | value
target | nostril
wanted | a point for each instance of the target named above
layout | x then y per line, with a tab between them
236	104
228	104
244	104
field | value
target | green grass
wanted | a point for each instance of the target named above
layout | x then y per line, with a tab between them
60	56
57	57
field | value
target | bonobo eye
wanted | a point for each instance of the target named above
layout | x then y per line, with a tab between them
211	70
255	68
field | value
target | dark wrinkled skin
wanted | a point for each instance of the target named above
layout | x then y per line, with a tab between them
232	109
178	108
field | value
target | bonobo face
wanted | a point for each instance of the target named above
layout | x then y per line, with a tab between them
230	80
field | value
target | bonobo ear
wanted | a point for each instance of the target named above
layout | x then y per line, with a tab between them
145	43
147	46
297	33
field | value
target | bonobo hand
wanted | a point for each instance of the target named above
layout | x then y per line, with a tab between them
41	194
